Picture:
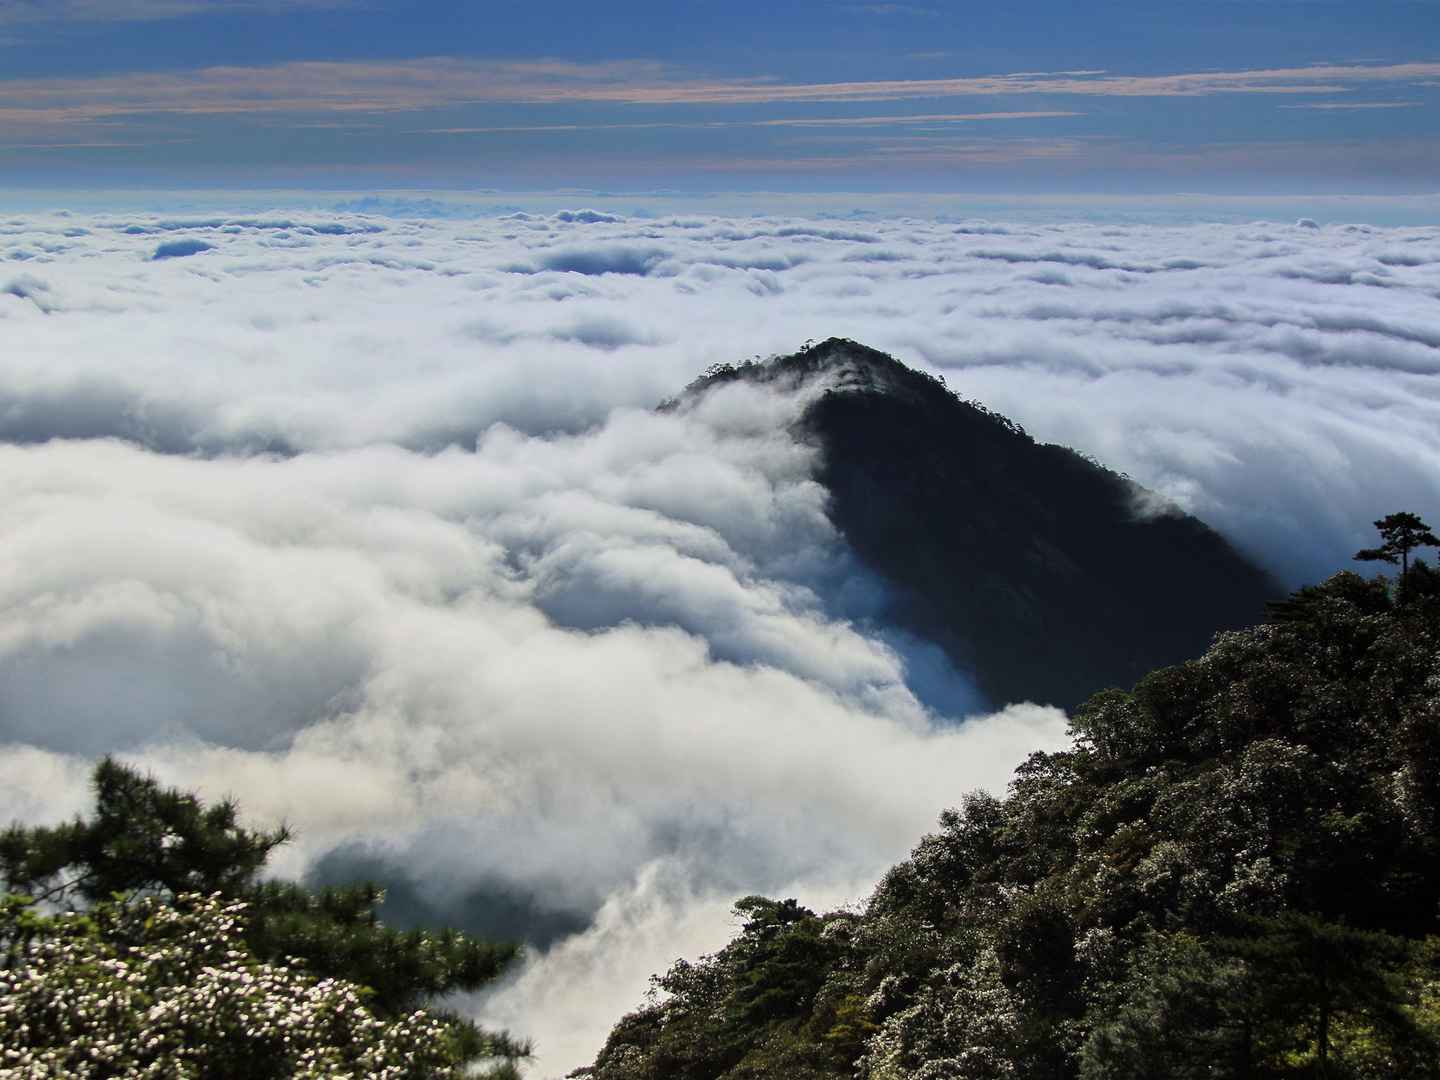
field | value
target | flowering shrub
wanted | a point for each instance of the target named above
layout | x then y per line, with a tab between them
155	988
264	949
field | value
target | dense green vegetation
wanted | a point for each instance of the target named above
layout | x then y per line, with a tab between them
1234	872
1042	574
143	942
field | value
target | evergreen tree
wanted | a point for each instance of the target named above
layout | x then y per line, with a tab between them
1308	979
1402	532
142	838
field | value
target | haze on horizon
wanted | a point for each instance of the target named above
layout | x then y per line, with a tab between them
1263	96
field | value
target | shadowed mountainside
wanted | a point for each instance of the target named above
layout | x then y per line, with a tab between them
1038	571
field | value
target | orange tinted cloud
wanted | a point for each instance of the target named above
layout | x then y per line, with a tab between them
412	85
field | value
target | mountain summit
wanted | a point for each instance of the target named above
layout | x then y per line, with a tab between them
1041	573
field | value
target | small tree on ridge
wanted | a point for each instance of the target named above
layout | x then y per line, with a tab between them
1403	533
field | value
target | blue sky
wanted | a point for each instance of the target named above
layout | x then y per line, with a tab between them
1031	96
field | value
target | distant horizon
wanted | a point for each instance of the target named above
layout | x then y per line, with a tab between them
1415	209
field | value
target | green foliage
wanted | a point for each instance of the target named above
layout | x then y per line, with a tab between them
168	989
142	838
774	1002
1179	1013
147	846
784	964
336	931
851	1028
1232	873
1293	995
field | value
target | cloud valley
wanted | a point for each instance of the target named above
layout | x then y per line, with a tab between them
371	523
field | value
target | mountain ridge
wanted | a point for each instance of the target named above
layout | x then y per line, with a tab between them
996	547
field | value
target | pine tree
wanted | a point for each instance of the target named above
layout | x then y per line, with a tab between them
1402	532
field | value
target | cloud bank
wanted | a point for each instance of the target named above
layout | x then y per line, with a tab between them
371	523
1276	380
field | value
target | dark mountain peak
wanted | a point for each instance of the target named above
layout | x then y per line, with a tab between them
1034	567
844	366
847	365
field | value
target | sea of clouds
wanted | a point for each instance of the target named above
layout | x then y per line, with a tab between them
371	523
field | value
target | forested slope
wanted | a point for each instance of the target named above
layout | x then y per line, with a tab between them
1233	872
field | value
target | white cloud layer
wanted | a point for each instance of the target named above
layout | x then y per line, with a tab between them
370	523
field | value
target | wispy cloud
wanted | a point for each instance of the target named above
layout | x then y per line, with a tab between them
784	122
891	121
892	9
86	145
1348	105
1303	80
95	11
913	151
411	85
315	86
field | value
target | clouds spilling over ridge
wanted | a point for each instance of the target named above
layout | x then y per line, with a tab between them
372	523
550	678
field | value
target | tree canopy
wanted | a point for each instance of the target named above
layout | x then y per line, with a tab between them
1402	533
170	897
1231	873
